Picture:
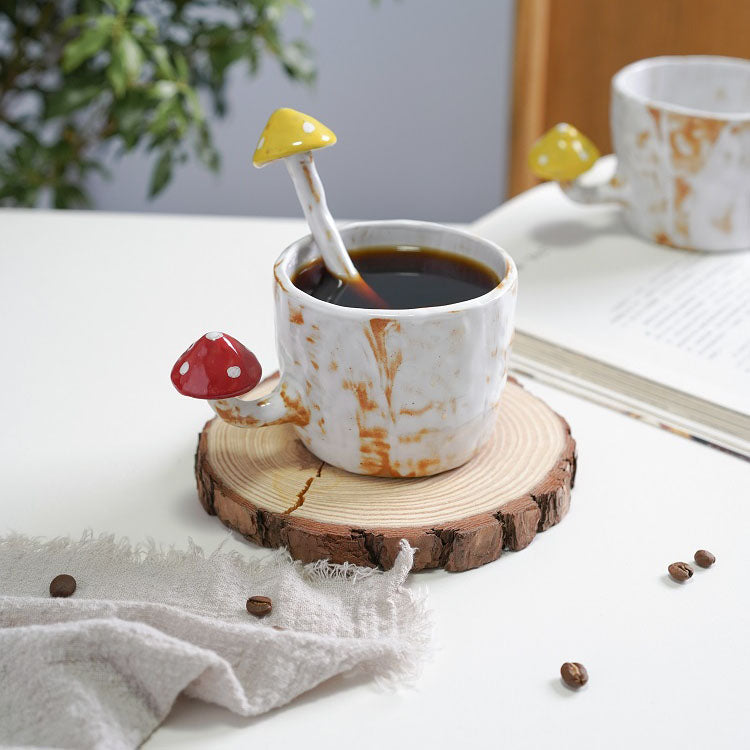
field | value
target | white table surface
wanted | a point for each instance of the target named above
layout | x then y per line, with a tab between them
96	308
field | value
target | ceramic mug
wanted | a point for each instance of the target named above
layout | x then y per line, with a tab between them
681	135
396	393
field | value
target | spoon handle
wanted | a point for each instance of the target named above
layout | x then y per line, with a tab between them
312	198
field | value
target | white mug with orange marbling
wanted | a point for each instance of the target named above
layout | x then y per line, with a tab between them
681	134
388	392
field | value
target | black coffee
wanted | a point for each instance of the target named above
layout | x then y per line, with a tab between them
403	276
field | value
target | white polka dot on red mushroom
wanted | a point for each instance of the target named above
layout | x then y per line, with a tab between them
234	372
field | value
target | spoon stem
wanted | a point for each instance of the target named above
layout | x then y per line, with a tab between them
312	198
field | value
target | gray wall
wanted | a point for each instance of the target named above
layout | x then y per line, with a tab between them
417	92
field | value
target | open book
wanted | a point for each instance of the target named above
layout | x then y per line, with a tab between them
661	334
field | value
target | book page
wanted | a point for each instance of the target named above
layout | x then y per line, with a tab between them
587	284
701	312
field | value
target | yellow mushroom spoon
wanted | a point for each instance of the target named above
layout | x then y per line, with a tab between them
292	136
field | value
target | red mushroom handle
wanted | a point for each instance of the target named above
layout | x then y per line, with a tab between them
216	366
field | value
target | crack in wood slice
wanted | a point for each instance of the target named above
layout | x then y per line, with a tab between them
301	494
517	486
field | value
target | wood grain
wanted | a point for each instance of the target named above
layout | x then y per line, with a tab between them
266	485
568	50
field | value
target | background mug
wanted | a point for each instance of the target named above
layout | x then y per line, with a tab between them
681	134
396	393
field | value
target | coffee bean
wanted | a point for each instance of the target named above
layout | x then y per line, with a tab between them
704	558
258	605
574	674
62	585
680	571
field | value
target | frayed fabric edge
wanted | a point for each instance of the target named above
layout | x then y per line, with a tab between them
150	551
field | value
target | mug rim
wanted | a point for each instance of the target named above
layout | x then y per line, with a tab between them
506	283
618	84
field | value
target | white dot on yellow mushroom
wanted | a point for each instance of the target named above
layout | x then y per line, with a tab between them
308	127
326	137
234	372
297	143
561	144
543	158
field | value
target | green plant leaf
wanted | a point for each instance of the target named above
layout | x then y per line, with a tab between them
304	9
222	56
71	196
143	26
183	71
297	61
80	19
196	110
130	112
90	41
160	56
131	56
164	89
120	6
161	175
68	100
117	76
90	165
162	117
205	150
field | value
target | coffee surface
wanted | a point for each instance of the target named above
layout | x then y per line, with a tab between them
403	276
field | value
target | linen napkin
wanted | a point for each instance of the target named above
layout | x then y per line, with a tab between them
102	668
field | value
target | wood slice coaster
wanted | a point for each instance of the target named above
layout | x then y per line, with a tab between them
265	484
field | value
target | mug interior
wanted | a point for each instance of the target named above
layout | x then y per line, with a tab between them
402	233
696	85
